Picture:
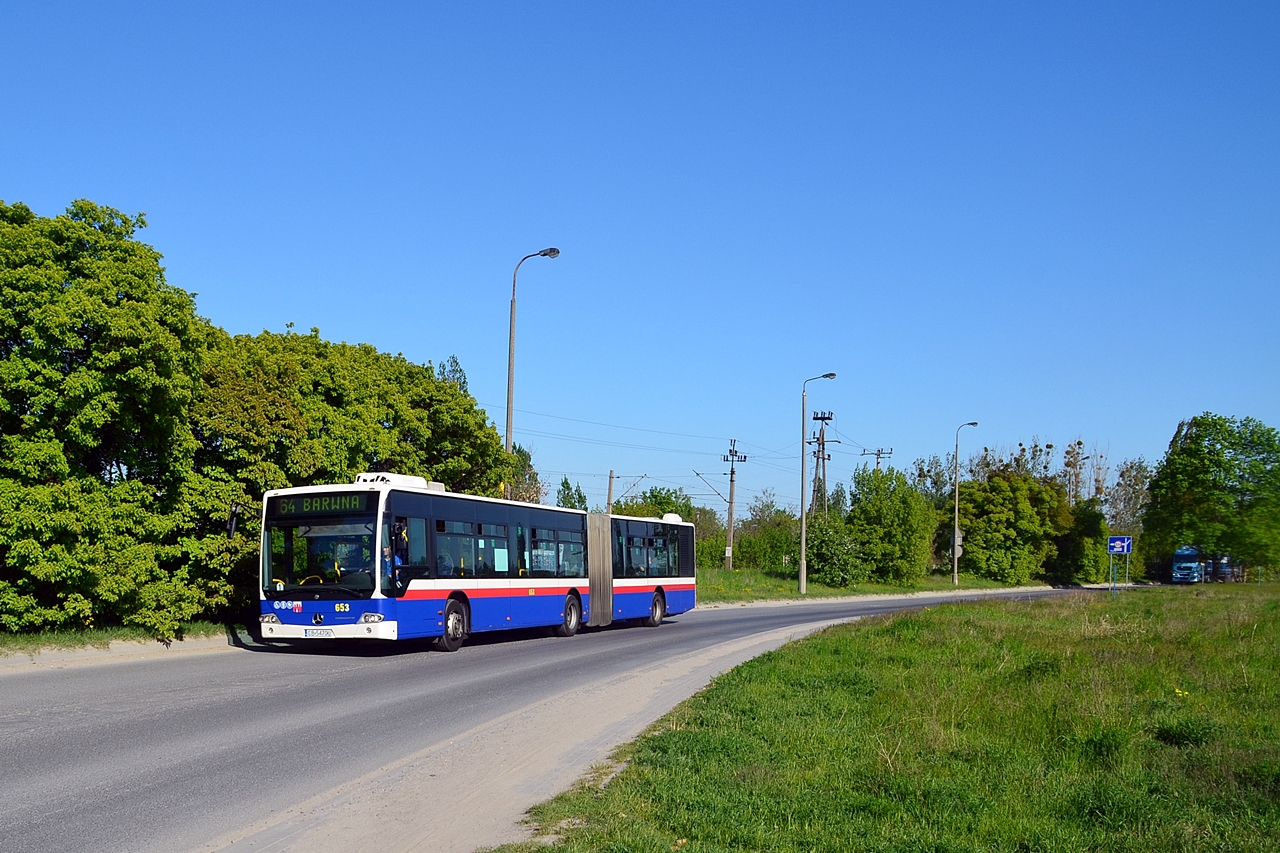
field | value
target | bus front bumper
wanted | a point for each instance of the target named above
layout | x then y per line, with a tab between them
385	630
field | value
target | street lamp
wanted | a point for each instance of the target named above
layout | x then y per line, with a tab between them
804	411
511	347
955	532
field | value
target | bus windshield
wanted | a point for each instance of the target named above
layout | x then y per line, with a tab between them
329	557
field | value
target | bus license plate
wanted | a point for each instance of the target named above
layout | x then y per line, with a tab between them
317	632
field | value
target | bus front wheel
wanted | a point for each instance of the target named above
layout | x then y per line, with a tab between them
455	627
657	610
572	617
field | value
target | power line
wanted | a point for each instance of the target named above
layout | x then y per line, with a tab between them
616	426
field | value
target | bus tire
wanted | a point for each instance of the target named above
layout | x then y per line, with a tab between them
657	610
455	627
572	617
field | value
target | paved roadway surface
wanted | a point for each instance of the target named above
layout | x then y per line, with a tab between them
399	749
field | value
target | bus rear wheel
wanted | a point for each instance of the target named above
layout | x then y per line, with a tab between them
657	610
455	627
572	617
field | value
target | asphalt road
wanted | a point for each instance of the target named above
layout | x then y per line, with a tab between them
257	749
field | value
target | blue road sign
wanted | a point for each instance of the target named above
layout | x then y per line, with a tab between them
1119	544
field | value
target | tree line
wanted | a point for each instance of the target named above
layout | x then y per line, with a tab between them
132	430
1031	513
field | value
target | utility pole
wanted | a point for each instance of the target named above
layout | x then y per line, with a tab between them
804	470
732	457
821	458
609	503
877	453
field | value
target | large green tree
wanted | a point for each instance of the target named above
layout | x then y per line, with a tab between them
290	409
130	428
1218	489
1081	550
276	410
99	363
892	526
1011	522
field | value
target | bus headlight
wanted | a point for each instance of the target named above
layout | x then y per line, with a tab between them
371	617
269	619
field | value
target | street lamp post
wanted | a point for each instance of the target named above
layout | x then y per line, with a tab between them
511	346
955	532
804	412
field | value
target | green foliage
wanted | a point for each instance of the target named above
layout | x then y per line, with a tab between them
525	484
290	409
710	552
101	360
656	502
707	523
768	539
569	496
892	525
1218	488
830	552
1082	550
129	427
1011	523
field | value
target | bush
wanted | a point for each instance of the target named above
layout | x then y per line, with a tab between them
831	553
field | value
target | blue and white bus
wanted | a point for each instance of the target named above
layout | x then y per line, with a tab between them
394	557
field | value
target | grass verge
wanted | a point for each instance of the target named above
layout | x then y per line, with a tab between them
718	585
1147	723
98	638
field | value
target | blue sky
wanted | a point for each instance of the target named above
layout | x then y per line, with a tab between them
1059	220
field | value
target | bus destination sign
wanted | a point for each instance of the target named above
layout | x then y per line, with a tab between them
342	504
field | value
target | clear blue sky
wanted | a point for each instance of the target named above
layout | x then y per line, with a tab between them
1060	221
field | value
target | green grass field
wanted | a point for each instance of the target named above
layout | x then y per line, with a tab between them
1148	723
718	585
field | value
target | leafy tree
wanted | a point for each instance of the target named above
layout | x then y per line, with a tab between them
656	502
1034	461
291	409
1218	489
892	526
1081	551
526	485
569	496
768	539
276	410
707	523
932	478
1011	522
1127	498
838	500
451	370
99	362
129	427
830	552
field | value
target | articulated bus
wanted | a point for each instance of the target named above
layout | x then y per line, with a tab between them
394	557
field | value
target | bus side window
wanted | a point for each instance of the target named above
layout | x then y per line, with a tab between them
660	564
492	558
543	562
572	562
637	559
455	549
